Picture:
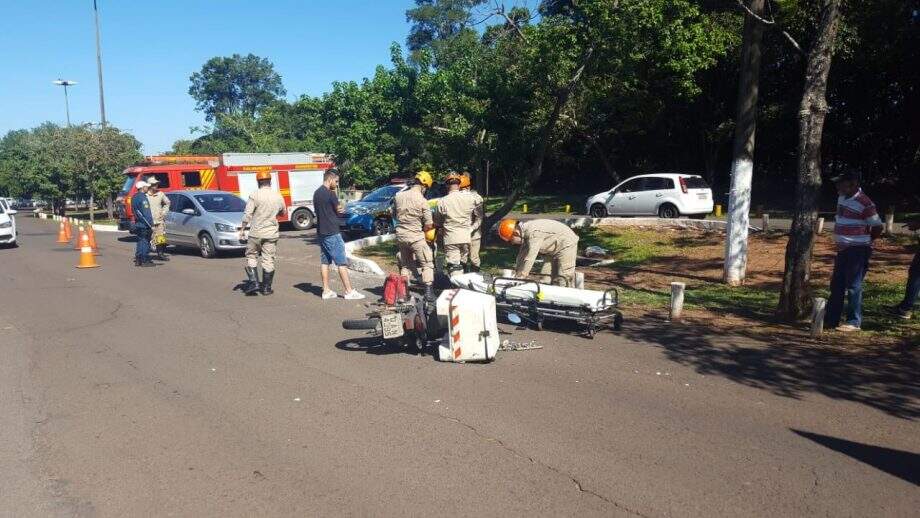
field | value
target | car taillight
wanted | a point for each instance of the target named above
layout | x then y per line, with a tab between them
683	184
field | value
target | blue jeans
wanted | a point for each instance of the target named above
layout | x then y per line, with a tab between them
332	250
142	247
913	285
850	267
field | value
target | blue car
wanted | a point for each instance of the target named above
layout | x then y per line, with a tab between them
371	214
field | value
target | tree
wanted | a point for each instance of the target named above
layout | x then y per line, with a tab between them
794	300
235	85
437	20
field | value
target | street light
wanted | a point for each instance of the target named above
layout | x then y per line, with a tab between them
65	83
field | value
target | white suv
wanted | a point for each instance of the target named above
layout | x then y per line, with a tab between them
7	224
662	195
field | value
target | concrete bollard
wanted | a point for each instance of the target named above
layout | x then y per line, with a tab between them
718	211
677	300
819	227
889	223
579	280
766	223
568	209
817	316
507	273
524	209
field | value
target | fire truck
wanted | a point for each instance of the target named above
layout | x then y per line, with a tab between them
294	175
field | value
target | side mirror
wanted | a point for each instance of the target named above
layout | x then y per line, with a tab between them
190	212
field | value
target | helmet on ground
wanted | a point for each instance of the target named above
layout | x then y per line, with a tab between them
424	178
430	235
465	180
506	228
453	178
263	175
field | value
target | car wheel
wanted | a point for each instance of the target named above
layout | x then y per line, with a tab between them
302	219
206	246
668	211
382	226
598	211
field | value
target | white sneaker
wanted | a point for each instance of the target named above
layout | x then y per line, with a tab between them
848	328
329	294
353	295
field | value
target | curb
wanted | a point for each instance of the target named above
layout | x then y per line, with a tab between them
100	228
361	264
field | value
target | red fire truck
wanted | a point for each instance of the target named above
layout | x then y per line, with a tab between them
295	175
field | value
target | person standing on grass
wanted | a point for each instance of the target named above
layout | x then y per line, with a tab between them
856	227
905	308
331	245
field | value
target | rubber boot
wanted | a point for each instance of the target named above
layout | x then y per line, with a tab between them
267	282
429	293
252	281
160	253
474	268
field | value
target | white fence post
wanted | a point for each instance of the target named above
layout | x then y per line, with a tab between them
817	317
766	222
580	280
820	226
677	300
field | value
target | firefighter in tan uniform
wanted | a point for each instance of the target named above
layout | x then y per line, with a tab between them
261	216
470	259
413	220
454	218
551	239
159	209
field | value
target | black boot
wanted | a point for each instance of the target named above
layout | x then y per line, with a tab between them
429	293
267	282
252	281
161	249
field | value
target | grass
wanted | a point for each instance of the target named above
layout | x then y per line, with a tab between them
539	204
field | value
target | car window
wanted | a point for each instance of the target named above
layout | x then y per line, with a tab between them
695	182
657	183
634	185
220	202
183	202
191	179
173	202
382	194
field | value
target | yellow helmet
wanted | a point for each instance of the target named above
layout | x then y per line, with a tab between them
424	178
430	235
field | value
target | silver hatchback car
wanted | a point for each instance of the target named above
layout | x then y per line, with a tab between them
207	220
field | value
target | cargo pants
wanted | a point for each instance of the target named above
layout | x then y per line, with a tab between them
261	250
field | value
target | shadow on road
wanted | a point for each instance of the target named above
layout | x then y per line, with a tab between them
374	345
885	379
902	464
310	288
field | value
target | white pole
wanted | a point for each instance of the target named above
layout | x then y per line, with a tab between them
817	317
579	280
766	222
677	300
889	223
820	228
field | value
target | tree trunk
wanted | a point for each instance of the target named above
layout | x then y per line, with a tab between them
739	201
795	298
110	207
546	134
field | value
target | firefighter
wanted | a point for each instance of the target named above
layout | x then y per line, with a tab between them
413	220
549	238
470	260
454	218
159	209
261	216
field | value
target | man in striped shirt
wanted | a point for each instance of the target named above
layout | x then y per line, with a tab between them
857	225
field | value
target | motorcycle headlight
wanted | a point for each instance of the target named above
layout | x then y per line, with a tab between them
224	228
6	224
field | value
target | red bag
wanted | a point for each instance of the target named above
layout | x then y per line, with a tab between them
394	289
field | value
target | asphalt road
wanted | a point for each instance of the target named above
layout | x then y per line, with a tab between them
161	392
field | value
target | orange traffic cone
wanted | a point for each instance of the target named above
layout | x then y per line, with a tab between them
91	233
87	259
62	234
78	238
67	229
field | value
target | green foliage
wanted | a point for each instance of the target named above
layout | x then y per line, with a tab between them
235	85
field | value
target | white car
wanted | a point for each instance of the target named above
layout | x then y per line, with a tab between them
662	195
7	224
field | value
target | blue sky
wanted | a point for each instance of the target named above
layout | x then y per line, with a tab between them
150	47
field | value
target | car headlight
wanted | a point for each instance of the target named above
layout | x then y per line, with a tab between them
224	228
358	211
7	224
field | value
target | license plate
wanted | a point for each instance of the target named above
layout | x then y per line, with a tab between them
392	325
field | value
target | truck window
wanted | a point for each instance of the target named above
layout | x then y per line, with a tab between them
191	179
129	182
163	178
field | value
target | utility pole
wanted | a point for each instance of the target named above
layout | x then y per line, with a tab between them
65	83
92	197
739	201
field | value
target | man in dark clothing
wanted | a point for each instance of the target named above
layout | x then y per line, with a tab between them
905	308
331	245
143	225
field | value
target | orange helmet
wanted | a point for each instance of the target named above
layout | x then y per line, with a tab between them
465	180
263	175
453	178
506	228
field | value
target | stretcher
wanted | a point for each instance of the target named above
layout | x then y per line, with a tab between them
535	302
